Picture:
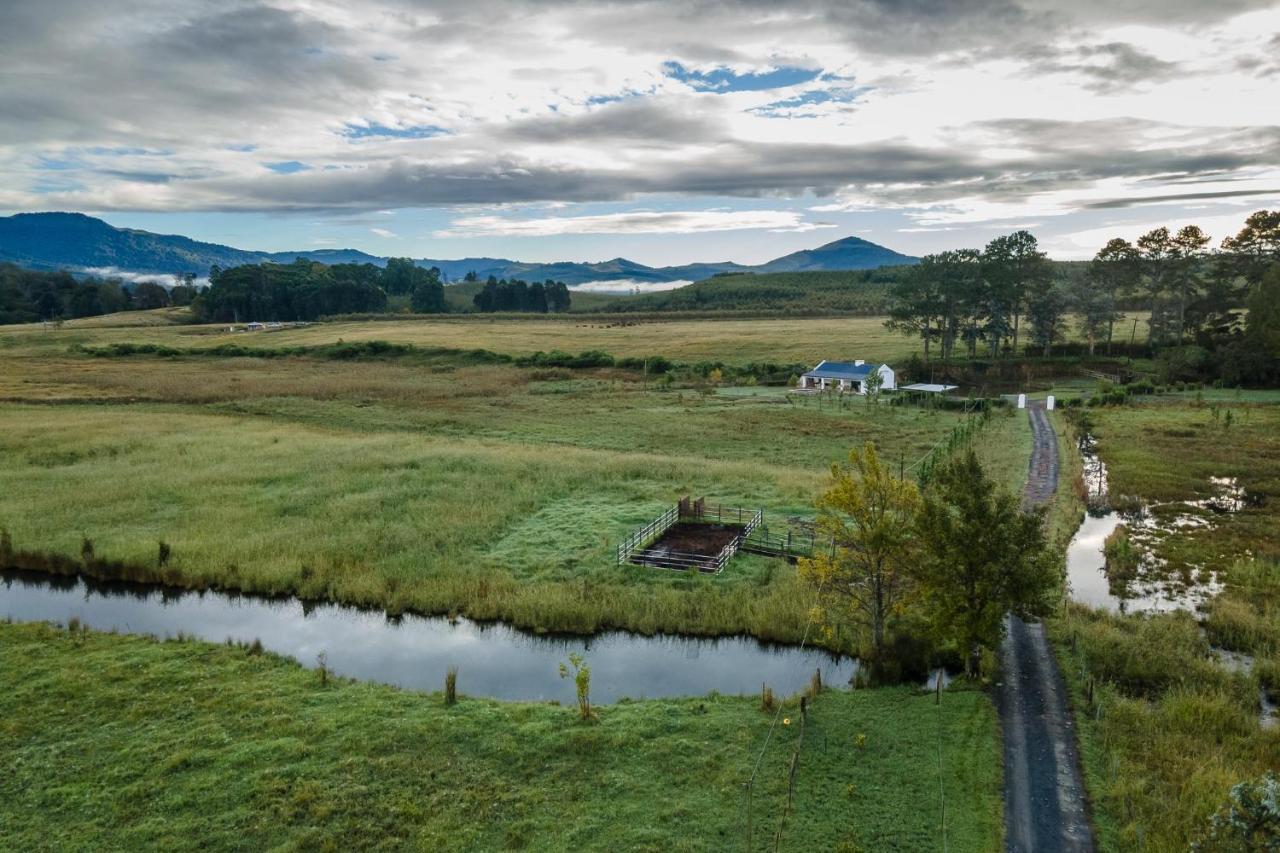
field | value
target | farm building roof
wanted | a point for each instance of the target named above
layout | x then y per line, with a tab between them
928	388
842	370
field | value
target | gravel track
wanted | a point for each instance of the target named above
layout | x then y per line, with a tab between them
1044	801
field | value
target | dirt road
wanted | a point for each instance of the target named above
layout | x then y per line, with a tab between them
1044	804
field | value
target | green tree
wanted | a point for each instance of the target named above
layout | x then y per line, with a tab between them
982	558
1093	304
1157	252
871	516
428	297
1256	247
398	276
915	302
1015	269
1187	269
1117	271
148	295
872	385
1255	356
1046	310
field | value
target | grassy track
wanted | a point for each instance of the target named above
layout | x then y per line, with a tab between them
122	742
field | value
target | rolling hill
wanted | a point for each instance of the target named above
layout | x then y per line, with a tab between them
75	241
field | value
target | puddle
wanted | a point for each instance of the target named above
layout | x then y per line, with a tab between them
1152	588
1238	662
931	683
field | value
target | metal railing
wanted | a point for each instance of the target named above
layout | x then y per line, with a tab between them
635	548
647	534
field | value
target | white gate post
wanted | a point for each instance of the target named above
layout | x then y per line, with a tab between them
1049	403
1022	401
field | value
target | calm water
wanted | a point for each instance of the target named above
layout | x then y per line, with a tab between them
414	651
1153	591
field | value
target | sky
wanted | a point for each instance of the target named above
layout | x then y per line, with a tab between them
665	132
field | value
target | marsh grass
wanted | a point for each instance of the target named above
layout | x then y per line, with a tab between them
451	686
1166	729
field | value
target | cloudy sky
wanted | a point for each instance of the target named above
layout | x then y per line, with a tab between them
664	132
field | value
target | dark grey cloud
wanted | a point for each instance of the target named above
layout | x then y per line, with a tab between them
635	119
1134	201
199	78
1066	156
1106	67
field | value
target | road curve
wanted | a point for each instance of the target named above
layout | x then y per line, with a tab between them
1044	802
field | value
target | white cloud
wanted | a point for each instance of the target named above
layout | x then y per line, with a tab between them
633	222
383	232
627	285
163	279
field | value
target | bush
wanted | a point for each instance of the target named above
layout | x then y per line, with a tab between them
1249	821
1146	656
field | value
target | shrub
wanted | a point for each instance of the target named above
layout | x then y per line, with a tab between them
1250	820
581	681
451	686
1235	624
1146	656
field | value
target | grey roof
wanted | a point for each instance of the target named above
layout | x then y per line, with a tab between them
841	370
929	388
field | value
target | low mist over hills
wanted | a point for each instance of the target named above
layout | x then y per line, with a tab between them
75	241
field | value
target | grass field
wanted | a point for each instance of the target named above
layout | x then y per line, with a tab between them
731	341
430	483
728	341
115	742
1168	729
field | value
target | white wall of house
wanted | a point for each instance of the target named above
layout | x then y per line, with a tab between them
890	382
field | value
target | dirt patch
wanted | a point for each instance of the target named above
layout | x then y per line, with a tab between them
692	537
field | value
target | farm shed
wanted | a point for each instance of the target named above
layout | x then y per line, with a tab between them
846	376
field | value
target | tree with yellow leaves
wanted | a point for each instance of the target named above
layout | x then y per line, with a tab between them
870	516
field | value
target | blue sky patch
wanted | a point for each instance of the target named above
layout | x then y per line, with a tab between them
369	131
288	167
723	80
793	107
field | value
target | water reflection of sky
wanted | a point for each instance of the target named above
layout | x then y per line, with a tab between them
414	652
1150	593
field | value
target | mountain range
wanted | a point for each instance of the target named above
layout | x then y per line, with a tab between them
75	242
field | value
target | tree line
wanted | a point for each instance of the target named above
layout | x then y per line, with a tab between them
1008	295
516	295
27	296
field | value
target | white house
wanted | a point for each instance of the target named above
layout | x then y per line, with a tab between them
846	376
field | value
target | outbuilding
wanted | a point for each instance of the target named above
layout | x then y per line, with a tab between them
846	376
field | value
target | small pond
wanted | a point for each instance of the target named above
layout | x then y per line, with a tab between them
493	660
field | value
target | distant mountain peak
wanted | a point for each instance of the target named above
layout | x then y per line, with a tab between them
76	241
